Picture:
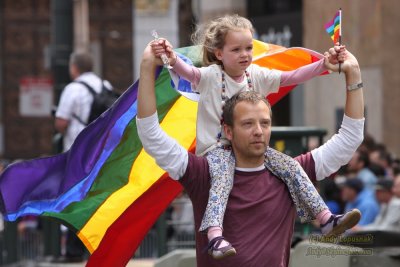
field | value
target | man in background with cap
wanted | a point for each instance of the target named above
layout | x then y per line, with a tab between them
358	197
388	195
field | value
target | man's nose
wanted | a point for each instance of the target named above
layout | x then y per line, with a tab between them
257	129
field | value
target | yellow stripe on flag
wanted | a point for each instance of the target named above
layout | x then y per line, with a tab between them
180	124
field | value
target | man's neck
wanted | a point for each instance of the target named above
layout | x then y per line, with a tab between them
254	169
249	163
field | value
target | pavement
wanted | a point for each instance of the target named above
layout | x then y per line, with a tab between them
132	263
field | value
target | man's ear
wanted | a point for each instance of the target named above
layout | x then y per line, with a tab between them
228	132
218	54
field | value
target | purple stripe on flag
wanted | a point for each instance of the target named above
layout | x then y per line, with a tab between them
48	178
332	22
79	191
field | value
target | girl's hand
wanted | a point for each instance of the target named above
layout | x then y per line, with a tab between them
162	46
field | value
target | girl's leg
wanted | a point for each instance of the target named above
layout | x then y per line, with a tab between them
222	167
309	204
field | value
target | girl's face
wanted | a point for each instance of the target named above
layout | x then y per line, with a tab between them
237	53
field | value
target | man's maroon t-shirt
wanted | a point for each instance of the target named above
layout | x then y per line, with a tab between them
259	218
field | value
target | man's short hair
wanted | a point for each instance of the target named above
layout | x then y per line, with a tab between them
363	156
354	183
82	61
247	96
384	184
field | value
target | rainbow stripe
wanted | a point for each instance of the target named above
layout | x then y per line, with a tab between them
106	187
333	27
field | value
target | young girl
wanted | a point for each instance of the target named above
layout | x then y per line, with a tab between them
227	54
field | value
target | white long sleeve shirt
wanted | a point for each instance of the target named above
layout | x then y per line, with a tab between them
173	158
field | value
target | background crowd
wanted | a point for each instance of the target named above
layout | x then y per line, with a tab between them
370	182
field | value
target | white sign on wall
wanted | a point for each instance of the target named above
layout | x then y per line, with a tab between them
35	96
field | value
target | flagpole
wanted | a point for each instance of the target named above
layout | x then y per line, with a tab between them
340	32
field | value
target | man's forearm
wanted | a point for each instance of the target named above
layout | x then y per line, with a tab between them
354	107
341	147
338	150
61	125
146	93
169	155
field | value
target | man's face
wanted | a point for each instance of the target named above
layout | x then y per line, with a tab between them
396	186
348	194
250	133
383	196
355	164
73	71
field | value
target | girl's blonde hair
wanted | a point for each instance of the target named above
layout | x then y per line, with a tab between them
212	35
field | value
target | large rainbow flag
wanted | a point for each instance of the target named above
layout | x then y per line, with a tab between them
106	187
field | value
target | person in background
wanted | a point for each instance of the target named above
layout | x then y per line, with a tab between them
73	109
358	167
72	112
332	196
358	197
381	157
388	195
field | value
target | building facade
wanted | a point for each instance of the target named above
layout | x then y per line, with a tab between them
369	31
25	61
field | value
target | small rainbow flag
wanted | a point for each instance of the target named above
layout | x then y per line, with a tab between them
334	27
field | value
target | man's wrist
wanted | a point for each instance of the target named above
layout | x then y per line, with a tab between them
353	75
148	64
174	60
355	86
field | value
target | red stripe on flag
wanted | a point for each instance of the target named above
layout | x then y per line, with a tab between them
127	232
131	227
283	91
273	98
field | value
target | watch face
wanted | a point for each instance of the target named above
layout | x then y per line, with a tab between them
355	86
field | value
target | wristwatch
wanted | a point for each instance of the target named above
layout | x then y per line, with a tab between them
355	86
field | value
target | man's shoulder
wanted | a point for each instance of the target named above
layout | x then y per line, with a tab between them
394	204
91	79
367	173
306	161
367	197
196	174
88	76
72	90
196	164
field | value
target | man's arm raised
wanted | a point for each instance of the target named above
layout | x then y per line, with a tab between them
146	94
169	155
340	148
